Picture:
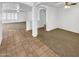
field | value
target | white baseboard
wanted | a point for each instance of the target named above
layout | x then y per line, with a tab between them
51	29
28	29
34	35
69	30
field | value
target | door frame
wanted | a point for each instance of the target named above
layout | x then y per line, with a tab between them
45	8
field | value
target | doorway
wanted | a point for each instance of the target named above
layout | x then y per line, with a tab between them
42	18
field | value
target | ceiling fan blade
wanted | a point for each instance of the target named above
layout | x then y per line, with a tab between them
73	3
21	10
67	3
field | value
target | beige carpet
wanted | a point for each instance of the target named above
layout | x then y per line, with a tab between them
62	42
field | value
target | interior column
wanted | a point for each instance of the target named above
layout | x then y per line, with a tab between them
34	22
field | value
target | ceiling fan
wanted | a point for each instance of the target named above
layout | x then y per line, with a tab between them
18	8
68	4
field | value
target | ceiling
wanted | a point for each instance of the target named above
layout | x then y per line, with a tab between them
12	5
54	4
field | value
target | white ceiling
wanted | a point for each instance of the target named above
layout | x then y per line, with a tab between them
22	5
54	4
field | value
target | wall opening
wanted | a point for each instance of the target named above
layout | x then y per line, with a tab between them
42	18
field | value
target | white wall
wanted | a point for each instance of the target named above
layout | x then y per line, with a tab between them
0	23
69	19
29	20
51	18
0	11
0	32
58	22
29	15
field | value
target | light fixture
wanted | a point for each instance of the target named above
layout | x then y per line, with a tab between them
67	5
18	7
